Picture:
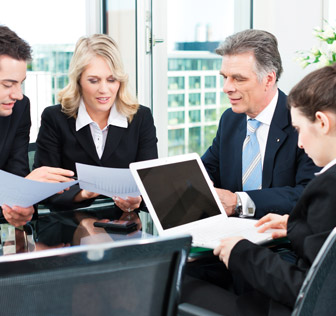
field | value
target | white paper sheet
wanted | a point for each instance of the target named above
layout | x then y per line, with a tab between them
107	181
18	191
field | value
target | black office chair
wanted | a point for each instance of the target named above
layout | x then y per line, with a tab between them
31	154
123	278
317	294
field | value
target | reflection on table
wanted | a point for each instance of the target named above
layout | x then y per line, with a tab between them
66	229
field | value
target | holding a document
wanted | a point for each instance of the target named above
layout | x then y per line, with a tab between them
97	123
14	130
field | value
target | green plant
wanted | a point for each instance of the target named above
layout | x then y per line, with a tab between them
323	55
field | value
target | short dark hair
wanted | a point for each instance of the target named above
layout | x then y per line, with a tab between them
13	46
315	92
262	44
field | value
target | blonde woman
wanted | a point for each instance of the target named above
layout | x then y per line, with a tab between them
98	122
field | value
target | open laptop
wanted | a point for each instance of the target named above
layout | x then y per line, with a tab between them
181	199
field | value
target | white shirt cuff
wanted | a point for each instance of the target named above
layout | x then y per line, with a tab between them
248	206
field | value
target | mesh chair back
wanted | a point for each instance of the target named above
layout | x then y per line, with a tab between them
317	296
108	279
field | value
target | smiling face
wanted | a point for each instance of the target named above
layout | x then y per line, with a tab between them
99	88
246	93
12	75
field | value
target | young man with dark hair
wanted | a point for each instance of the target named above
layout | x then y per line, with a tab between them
15	122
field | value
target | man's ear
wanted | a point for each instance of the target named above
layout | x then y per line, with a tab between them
323	120
270	79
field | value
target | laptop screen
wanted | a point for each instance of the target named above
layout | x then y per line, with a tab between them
179	193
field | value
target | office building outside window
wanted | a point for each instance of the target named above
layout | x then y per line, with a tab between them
52	36
195	97
194	100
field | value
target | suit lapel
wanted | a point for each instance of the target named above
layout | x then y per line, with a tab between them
4	129
84	138
113	139
276	138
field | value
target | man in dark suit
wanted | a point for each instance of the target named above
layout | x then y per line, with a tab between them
251	67
15	122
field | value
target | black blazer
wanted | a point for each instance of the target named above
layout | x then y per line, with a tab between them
309	224
59	145
286	169
14	139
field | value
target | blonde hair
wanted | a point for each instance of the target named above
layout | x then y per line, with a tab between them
87	48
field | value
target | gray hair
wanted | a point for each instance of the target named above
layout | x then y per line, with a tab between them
262	44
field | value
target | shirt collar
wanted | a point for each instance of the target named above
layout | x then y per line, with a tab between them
266	115
115	118
326	167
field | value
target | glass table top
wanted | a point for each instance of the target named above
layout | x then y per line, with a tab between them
68	228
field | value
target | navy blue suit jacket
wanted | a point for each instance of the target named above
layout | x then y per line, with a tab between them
60	145
14	139
286	169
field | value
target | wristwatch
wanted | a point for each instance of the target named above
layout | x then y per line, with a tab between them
238	211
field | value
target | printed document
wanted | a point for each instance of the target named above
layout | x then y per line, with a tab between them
107	181
19	191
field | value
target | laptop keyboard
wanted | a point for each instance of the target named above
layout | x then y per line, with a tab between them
222	231
211	238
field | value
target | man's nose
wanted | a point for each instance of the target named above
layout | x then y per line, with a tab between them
228	85
16	93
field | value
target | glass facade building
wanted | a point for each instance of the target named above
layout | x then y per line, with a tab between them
195	100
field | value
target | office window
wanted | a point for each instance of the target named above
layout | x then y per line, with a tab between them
120	24
210	81
175	118
175	83
52	28
194	99
175	64
193	34
175	100
184	64
210	98
194	139
194	82
210	115
176	142
209	134
194	116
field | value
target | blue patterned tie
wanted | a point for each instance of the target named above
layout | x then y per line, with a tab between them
252	169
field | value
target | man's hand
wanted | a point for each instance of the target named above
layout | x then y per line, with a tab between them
274	221
17	216
50	174
228	200
225	247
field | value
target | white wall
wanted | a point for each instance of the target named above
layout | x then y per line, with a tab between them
292	22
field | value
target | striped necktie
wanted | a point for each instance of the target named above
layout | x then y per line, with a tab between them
252	169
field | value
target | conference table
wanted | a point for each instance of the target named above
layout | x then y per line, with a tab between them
69	228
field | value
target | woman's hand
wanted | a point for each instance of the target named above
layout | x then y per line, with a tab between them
128	204
85	195
225	247
274	221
